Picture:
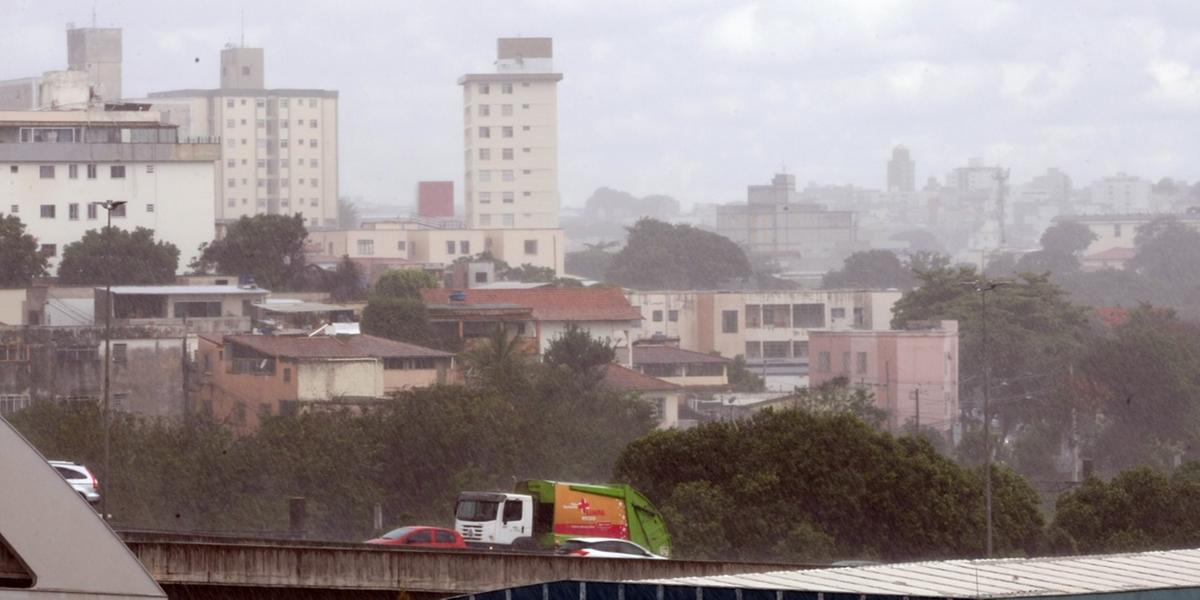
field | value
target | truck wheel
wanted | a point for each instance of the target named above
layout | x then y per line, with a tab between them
524	543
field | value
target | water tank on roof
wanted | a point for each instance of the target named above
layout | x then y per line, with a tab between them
458	296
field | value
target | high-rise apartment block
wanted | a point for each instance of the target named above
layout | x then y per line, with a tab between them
510	133
279	146
97	52
901	171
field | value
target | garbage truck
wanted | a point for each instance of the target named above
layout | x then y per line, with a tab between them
539	514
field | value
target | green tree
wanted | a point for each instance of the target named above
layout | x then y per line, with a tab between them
578	352
398	318
404	283
268	247
527	273
119	256
833	481
1168	251
498	362
346	282
348	214
871	269
22	260
742	379
838	397
1067	238
660	255
591	263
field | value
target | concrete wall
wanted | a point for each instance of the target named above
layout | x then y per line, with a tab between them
510	246
429	245
320	381
395	380
13	306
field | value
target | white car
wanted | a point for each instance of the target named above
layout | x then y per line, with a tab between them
80	478
605	548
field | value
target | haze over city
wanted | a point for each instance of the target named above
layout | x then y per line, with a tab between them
698	99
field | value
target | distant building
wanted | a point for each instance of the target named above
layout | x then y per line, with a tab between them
245	377
97	52
663	395
913	373
435	199
901	171
1119	231
202	308
58	164
92	78
686	368
775	222
1122	194
279	146
975	177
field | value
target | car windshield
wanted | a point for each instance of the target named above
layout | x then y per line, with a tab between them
396	534
476	510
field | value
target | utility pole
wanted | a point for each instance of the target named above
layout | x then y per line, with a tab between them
983	287
1001	178
918	419
109	206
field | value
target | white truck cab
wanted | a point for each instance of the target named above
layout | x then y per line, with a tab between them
495	519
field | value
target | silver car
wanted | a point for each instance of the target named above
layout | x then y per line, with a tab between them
80	478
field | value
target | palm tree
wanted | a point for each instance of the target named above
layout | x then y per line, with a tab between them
497	362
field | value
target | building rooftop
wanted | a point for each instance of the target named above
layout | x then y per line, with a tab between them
331	347
1148	216
299	307
219	92
624	379
1113	254
548	304
184	290
661	355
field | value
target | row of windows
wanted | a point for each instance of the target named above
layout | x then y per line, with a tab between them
262	123
50	211
283	102
657	316
505	88
367	247
860	363
232	182
262	163
506	220
505	131
231	202
505	197
795	349
91	171
485	110
262	143
505	153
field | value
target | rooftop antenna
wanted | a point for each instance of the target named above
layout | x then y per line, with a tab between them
243	27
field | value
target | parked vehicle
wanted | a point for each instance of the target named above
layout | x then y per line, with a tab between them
80	478
605	548
421	537
541	514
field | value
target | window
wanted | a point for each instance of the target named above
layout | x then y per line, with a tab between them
229	103
506	175
401	246
91	211
859	317
47	211
808	315
506	154
449	247
73	212
485	132
861	363
485	176
506	110
657	316
729	321
524	106
185	310
15	209
753	349
231	202
484	111
116	172
312	123
507	220
485	220
506	132
13	169
283	143
91	171
49	249
776	349
531	247
366	247
118	211
73	171
485	154
845	362
231	143
230	123
312	143
312	102
231	163
230	182
485	88
287	375
776	315
464	247
485	197
513	510
800	349
753	316
506	88
46	171
508	197
11	403
313	182
673	316
823	362
120	354
443	537
312	162
837	313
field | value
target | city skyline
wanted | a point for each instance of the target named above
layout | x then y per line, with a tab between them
699	100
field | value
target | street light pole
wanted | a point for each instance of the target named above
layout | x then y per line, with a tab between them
983	287
109	206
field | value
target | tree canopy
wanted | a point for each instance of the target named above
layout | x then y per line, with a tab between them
404	283
22	259
793	485
399	318
871	269
580	354
660	255
269	248
1168	251
118	256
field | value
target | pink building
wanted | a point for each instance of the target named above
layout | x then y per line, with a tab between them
913	373
435	199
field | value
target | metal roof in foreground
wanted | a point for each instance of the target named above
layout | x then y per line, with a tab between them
1165	575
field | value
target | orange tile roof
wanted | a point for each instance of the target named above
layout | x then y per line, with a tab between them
549	304
623	379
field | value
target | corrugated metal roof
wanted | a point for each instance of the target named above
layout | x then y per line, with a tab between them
994	578
299	307
185	290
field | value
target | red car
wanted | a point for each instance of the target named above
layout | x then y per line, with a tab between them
421	537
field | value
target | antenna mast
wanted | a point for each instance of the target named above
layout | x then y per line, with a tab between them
1001	178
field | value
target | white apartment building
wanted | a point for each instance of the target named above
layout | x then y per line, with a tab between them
279	147
1121	193
55	165
510	133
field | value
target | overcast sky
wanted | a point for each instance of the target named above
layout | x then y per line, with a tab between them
699	99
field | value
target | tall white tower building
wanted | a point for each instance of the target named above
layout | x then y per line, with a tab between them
510	134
